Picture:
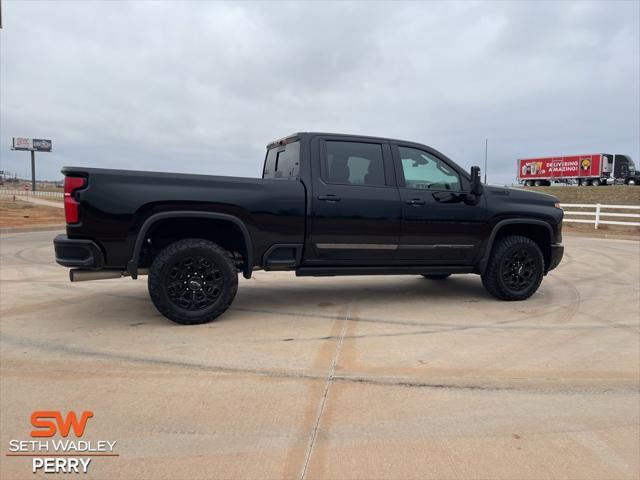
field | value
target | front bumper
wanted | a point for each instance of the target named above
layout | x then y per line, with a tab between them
557	251
77	252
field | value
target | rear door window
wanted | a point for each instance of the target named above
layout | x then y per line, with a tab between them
353	163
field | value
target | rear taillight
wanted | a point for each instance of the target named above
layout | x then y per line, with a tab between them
71	184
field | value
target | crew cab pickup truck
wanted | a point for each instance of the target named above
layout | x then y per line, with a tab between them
326	205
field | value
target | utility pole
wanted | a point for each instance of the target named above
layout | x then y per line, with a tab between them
486	149
33	171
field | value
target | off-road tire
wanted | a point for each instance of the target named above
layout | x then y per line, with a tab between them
437	277
215	271
501	264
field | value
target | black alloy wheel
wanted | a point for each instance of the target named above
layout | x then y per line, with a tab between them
515	268
518	269
193	281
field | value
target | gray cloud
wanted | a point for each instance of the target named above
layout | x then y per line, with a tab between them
202	86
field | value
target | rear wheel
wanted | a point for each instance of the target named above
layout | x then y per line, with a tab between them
437	277
584	182
538	183
192	281
515	268
596	182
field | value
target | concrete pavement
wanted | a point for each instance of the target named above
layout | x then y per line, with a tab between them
353	377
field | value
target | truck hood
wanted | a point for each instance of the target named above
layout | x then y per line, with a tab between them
520	195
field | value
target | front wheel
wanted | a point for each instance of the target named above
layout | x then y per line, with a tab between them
515	268
192	281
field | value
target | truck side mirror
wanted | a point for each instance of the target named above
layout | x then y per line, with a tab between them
476	185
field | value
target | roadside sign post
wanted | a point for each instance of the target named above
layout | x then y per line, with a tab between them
32	145
33	171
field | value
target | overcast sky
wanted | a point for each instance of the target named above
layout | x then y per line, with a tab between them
202	87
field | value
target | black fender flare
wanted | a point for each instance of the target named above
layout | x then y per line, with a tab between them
482	265
132	265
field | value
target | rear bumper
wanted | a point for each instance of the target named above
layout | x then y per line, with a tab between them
557	251
76	252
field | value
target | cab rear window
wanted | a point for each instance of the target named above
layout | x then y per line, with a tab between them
282	161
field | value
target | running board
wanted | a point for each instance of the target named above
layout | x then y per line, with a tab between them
85	274
396	270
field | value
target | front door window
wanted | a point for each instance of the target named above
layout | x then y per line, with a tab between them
423	170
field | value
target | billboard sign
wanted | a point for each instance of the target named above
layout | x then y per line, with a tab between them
35	144
22	143
41	145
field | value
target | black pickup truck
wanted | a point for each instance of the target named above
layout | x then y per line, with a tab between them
327	204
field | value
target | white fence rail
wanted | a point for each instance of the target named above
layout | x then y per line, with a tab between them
29	193
598	211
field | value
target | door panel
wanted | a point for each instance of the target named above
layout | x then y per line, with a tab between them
356	213
438	227
440	232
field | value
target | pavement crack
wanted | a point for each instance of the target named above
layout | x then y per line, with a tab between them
122	357
323	401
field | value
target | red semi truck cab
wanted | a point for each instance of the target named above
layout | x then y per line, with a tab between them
590	169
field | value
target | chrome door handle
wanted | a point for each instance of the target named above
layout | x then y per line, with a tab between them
329	198
415	201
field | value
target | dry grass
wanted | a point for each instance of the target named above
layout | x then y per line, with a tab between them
17	213
41	187
53	199
50	188
606	195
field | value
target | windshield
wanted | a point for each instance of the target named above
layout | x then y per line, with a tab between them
632	167
626	163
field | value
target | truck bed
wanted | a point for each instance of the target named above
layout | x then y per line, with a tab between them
116	203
